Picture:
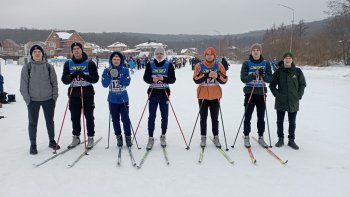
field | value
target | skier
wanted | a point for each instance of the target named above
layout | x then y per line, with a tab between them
80	73
209	75
274	64
255	73
287	87
117	78
225	63
39	89
159	74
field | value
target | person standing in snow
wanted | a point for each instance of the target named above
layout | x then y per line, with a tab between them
159	73
39	89
287	87
255	73
80	73
209	75
117	78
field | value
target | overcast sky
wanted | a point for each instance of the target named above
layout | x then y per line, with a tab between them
157	16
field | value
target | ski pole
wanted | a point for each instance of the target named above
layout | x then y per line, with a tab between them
267	117
195	124
83	115
149	95
245	111
183	136
132	128
64	117
222	122
109	125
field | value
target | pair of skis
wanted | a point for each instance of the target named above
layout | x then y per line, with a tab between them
65	151
165	154
252	158
133	163
223	153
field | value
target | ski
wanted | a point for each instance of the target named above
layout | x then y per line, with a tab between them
165	153
252	158
223	152
131	157
119	156
271	153
201	154
83	154
55	155
143	159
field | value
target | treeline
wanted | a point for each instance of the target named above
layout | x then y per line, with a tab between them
329	45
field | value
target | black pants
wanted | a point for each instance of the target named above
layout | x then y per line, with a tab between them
214	107
75	110
258	101
291	118
33	116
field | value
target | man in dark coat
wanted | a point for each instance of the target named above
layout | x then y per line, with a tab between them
287	86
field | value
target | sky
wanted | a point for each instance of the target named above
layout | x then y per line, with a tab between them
219	17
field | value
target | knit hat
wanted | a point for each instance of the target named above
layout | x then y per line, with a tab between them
288	54
36	47
210	50
256	46
76	44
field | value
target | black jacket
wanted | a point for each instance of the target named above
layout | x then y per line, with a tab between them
147	77
92	77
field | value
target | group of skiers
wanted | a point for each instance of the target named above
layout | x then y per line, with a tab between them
39	88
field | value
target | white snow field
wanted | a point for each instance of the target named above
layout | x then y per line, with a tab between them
321	167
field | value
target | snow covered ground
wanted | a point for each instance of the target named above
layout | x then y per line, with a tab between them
320	168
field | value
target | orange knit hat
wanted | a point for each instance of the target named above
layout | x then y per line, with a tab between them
210	50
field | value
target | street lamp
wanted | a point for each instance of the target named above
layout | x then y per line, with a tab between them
291	34
219	33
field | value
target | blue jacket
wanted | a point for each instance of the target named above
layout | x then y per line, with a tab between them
117	85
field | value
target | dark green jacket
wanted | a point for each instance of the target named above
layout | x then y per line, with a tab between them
245	77
288	86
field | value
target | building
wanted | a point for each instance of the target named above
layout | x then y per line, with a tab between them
58	43
118	46
190	52
10	47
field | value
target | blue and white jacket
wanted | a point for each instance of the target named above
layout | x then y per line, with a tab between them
117	85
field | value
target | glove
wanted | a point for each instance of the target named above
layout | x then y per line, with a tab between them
261	72
73	75
81	74
114	72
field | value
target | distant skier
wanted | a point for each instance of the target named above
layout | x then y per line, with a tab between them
39	89
287	87
117	78
159	74
274	64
